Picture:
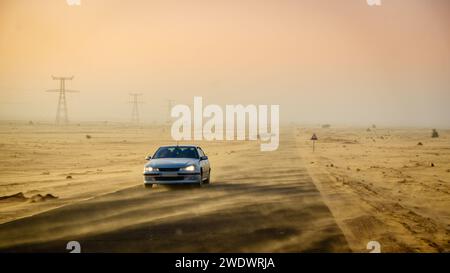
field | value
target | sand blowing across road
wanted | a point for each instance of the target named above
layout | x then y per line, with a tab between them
84	183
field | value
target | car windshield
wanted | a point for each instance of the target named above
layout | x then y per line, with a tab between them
176	152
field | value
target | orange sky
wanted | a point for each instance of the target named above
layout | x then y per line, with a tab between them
321	60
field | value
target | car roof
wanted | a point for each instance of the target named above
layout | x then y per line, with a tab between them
182	146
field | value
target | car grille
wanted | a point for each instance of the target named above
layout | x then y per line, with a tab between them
168	169
168	178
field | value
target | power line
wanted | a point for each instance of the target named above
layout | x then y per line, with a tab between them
62	111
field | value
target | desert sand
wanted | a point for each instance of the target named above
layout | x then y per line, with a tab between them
391	185
84	182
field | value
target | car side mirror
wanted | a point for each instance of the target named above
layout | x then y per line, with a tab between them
148	157
204	158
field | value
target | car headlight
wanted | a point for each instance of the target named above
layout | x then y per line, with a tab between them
189	168
150	169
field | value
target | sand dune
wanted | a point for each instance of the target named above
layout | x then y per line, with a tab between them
20	197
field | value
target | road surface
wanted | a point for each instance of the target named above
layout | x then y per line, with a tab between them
257	202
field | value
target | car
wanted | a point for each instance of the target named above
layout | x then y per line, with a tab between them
186	164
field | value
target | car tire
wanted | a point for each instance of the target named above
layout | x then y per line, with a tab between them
148	186
200	183
207	181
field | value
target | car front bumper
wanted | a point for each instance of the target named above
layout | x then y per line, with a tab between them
171	178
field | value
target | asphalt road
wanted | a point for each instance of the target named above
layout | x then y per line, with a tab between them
257	202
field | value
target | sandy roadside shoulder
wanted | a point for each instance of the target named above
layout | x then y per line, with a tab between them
382	186
43	167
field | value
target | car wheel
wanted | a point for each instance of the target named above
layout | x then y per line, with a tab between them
200	183
209	177
148	186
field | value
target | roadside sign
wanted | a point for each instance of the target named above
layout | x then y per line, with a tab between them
314	138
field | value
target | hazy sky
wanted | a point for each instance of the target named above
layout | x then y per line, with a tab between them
323	61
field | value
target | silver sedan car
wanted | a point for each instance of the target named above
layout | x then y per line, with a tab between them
177	165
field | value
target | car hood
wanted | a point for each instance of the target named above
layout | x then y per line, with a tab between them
171	162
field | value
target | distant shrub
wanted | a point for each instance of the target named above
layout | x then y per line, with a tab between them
434	134
326	126
420	144
88	136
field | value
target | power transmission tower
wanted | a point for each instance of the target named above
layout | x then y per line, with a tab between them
135	111
62	111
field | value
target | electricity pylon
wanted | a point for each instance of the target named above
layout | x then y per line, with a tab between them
61	111
135	111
